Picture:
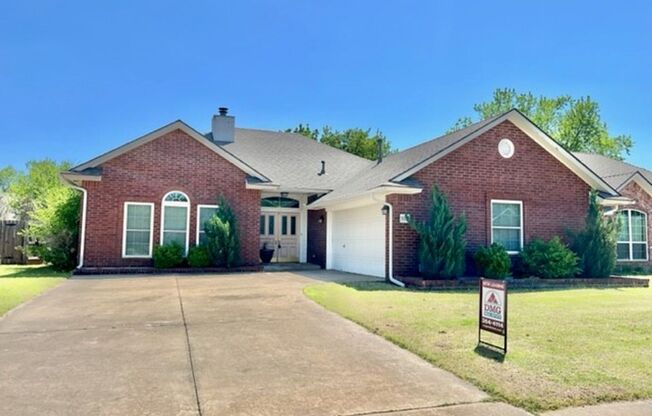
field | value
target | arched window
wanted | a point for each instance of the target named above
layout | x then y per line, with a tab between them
632	235
175	219
279	202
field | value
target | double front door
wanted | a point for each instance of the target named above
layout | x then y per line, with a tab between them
280	230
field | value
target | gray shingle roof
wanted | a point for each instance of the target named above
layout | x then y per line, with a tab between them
395	164
614	172
293	160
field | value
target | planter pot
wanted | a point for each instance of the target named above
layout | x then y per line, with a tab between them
266	255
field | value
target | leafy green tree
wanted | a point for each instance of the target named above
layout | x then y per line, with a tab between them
596	243
7	176
223	241
357	141
54	226
29	188
441	240
574	122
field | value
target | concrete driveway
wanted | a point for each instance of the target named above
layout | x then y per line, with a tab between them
247	344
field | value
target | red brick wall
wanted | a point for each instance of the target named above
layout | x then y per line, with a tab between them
643	203
317	237
145	174
554	199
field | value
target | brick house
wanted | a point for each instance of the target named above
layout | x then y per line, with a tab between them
313	203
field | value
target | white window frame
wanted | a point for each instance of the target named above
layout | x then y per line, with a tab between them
124	231
520	228
199	230
631	242
185	204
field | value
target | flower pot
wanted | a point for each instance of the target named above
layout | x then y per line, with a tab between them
266	255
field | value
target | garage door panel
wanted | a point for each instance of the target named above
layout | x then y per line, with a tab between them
358	240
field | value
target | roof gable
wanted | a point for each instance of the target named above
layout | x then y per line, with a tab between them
176	125
397	168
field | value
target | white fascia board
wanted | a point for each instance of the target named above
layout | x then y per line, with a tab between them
176	125
365	198
536	134
77	178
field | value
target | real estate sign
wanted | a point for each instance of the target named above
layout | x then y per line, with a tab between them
493	308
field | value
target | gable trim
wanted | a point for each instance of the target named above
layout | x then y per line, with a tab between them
153	135
536	134
640	180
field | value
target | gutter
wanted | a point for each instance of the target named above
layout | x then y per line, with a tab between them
82	232
390	274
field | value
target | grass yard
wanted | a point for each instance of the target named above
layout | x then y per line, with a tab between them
20	283
566	347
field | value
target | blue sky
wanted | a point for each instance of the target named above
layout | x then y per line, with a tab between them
78	78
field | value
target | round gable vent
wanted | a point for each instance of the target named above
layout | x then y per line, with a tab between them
506	148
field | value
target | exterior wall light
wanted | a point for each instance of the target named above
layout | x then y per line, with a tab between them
321	219
385	210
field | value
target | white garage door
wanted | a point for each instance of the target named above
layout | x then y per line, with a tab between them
358	240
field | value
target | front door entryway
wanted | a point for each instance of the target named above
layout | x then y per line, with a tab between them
280	230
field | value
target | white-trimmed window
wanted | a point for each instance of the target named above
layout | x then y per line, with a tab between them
175	220
632	236
507	224
138	227
204	213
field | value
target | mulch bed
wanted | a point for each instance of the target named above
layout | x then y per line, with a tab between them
528	283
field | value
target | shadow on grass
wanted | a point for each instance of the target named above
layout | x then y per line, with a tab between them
489	352
17	272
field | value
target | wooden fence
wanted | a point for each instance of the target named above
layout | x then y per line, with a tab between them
11	243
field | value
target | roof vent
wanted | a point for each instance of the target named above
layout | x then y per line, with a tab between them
223	126
323	168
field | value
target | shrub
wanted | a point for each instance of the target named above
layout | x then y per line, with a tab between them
168	255
550	260
493	261
54	225
595	244
441	240
223	241
198	256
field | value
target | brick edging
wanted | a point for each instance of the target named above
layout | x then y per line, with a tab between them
530	283
153	270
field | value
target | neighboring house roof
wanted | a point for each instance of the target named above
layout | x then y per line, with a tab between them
396	169
617	173
294	161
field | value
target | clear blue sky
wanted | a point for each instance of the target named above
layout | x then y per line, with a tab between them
80	77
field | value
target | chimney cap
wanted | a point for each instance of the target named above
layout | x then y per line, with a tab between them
223	110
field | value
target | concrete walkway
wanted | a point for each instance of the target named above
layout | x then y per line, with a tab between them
248	344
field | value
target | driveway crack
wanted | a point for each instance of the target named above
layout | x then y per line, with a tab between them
192	365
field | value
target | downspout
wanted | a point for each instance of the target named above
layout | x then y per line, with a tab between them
82	232
390	273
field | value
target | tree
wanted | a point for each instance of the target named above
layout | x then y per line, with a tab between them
441	240
596	243
7	176
50	210
29	188
357	141
223	239
54	225
574	122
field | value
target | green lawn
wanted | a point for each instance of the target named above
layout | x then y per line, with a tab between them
20	283
566	348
